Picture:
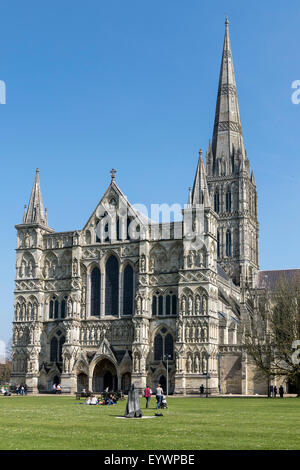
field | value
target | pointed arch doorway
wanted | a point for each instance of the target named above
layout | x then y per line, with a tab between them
163	383
105	376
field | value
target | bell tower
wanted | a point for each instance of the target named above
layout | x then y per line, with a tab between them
231	184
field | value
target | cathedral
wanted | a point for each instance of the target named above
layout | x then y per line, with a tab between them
129	301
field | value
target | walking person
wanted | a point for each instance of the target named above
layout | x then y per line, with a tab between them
271	391
147	395
281	391
201	389
275	391
159	395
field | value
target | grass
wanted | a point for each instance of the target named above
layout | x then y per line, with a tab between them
48	423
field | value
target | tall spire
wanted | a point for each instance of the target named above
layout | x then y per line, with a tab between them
227	132
35	213
200	194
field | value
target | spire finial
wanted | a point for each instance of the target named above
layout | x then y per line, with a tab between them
200	153
113	174
25	212
226	21
190	197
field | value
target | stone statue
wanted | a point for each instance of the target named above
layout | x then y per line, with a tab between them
26	241
139	305
133	404
204	367
197	364
143	264
177	363
204	305
183	305
75	268
197	305
189	364
180	333
190	306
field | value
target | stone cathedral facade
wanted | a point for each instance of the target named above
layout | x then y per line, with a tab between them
125	300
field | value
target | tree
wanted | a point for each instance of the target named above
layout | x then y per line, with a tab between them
272	334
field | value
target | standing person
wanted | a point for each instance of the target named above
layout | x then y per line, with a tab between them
147	395
281	391
159	395
201	389
271	391
25	389
275	391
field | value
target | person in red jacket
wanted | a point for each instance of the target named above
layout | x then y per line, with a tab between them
147	395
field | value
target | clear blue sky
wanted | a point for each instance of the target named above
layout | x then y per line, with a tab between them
132	85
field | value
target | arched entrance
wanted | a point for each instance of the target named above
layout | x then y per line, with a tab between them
163	383
56	380
82	382
105	376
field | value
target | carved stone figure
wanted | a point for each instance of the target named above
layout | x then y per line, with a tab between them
183	305
190	306
189	364
197	305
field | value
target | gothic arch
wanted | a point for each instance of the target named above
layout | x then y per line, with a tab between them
107	255
104	373
159	254
50	263
112	285
127	262
26	265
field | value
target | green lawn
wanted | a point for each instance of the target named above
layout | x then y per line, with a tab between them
189	423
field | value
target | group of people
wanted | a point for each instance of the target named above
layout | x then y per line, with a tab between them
161	399
56	389
274	391
21	389
110	399
5	392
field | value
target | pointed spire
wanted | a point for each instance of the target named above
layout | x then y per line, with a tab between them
200	194
227	128
35	212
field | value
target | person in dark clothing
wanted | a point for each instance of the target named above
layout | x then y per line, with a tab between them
201	389
275	391
281	391
271	391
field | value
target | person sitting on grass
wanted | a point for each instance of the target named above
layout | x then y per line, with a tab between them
112	399
88	401
94	400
